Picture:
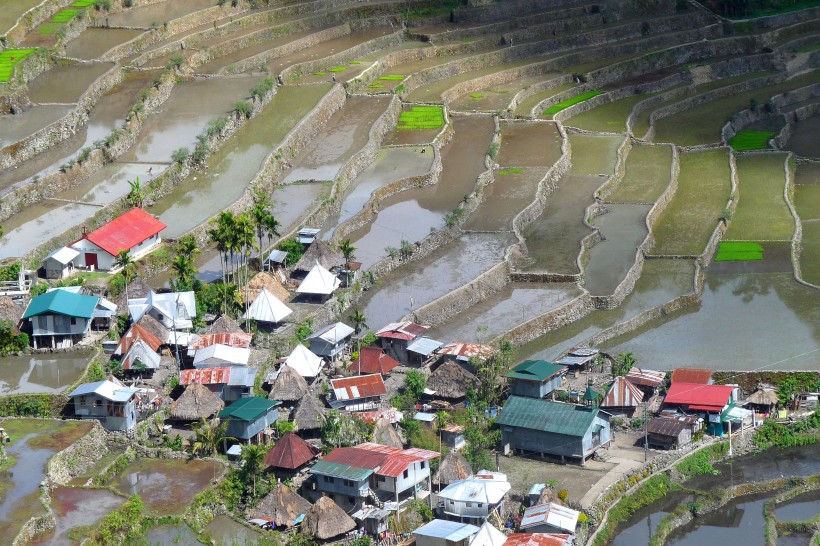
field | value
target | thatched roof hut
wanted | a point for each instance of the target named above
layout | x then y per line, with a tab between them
309	413
290	452
450	380
763	396
10	310
197	402
453	467
289	386
326	520
321	253
154	327
281	505
265	280
225	325
386	435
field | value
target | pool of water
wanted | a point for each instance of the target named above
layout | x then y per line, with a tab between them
14	128
801	508
767	321
41	373
225	530
65	83
167	485
803	140
736	523
92	43
623	229
75	507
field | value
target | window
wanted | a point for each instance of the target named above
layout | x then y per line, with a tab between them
348	483
73	321
406	474
469	505
451	503
83	401
351	500
328	479
481	505
97	403
423	464
380	478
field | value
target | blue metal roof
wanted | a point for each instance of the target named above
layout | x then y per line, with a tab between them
448	530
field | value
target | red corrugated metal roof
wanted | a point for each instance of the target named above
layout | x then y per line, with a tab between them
137	332
290	452
242	341
406	330
537	539
622	394
205	376
355	457
384	460
705	397
691	375
126	231
648	378
362	386
373	360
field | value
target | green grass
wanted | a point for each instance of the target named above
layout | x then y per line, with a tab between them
320	73
375	85
555	108
807	201
738	251
338	69
421	117
751	140
648	170
354	63
83	4
512	170
594	154
762	213
9	59
687	223
392	78
64	16
476	95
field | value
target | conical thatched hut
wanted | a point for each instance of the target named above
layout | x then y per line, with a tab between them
289	386
326	520
289	453
386	435
281	505
453	467
197	402
225	325
265	280
450	381
318	252
309	413
10	311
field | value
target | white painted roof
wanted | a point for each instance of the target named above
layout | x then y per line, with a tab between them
555	515
319	281
221	355
452	531
487	487
304	361
267	308
488	535
63	255
106	389
179	307
334	333
140	350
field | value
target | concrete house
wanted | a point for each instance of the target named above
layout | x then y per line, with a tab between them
113	405
712	403
354	475
174	310
60	263
230	383
397	336
248	417
531	425
535	378
135	231
60	319
331	341
441	532
357	393
473	499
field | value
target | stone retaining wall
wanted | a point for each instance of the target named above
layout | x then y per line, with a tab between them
797	237
778	104
534	89
663	201
572	311
33	17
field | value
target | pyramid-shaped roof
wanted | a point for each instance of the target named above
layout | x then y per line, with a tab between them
267	308
488	535
290	452
304	361
320	253
289	385
319	281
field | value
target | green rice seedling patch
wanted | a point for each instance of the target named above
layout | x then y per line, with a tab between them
320	73
375	85
421	117
647	175
807	49
476	96
9	59
687	223
555	108
512	170
354	63
64	16
762	213
392	78
739	251
751	140
338	69
82	4
807	201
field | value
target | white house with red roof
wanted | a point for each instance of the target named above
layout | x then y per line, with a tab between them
135	231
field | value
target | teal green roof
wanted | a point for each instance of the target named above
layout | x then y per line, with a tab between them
538	414
535	370
62	302
248	409
340	470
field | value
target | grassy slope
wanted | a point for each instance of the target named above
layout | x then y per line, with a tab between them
647	175
762	213
704	186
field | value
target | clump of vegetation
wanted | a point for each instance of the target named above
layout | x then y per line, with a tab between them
493	150
392	78
340	68
653	489
421	117
9	59
773	434
751	140
262	88
513	170
375	85
476	96
739	251
563	105
243	108
701	462
320	73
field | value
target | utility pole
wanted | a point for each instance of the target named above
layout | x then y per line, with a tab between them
645	433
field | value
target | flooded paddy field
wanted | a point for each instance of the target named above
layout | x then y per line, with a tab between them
810	255
525	107
229	171
610	117
803	140
166	486
41	372
179	535
419	282
14	128
660	282
391	164
65	84
766	321
529	145
801	508
515	304
497	97
762	213
344	134
412	214
508	195
646	177
93	42
624	229
225	530
76	507
157	14
704	186
33	443
12	10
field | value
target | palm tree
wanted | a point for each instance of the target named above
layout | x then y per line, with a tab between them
209	436
265	222
124	261
254	457
347	251
358	319
245	232
441	421
185	271
187	246
136	196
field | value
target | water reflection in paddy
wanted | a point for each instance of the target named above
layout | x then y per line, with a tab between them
801	508
167	485
93	42
75	507
735	523
65	83
623	228
19	126
41	373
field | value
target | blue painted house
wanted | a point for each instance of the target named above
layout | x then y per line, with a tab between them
535	378
248	417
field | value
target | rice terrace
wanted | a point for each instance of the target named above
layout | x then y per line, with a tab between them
303	271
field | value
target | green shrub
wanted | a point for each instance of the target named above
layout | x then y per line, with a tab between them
563	105
492	151
262	88
180	156
243	108
176	61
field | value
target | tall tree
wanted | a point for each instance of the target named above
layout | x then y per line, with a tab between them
253	457
209	436
264	221
124	261
358	319
347	251
244	240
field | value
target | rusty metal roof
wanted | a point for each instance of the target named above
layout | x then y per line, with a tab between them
537	539
227	375
646	378
466	350
665	426
384	460
406	330
241	341
622	394
362	386
691	375
134	333
373	360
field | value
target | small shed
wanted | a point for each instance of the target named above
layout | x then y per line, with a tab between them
450	381
267	308
248	417
549	518
453	467
290	453
277	258
535	378
196	403
396	337
670	432
307	235
288	386
141	358
282	505
422	350
622	398
374	520
60	263
579	358
453	436
425	418
441	532
304	361
112	404
326	520
331	341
